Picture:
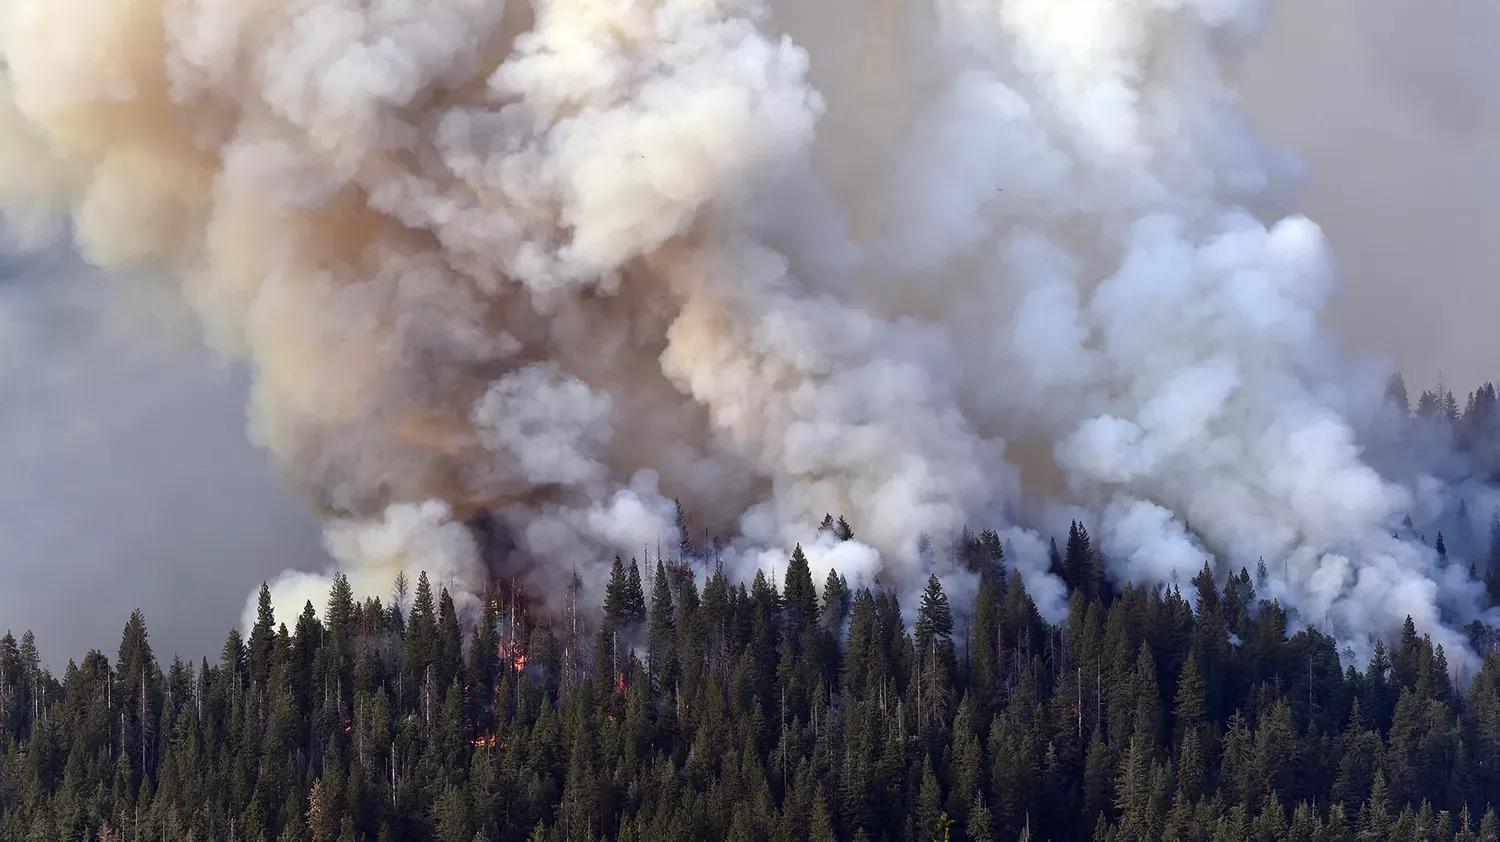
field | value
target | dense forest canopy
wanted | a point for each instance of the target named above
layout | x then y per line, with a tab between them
785	709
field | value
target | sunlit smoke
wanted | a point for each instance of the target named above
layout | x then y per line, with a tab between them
565	261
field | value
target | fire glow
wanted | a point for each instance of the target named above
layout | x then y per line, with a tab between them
513	656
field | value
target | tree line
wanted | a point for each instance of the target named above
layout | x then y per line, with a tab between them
776	711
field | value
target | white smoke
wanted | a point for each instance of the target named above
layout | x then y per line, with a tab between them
564	261
408	540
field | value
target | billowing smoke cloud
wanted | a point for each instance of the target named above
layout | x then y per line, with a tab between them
565	261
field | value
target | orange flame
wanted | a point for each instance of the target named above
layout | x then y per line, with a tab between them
513	655
489	741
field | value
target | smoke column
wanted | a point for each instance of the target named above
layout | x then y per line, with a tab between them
564	261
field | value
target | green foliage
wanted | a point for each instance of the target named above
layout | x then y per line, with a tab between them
769	712
935	616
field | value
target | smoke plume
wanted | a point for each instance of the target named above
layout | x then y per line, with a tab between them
558	263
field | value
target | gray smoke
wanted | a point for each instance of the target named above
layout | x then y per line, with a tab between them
564	262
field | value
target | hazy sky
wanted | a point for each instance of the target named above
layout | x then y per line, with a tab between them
126	479
1395	107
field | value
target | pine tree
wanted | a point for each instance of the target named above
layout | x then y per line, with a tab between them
929	804
483	670
1098	784
450	652
1396	395
978	828
635	595
138	694
1191	768
820	827
1305	823
1146	719
684	542
616	601
1133	790
451	817
799	594
935	616
1270	822
294	829
836	601
661	628
42	828
340	617
421	644
1078	562
1189	711
321	816
262	638
984	654
1374	816
1464	832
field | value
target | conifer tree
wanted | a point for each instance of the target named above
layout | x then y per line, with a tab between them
340	617
836	601
483	669
635	595
684	541
929	804
799	594
450	654
661	628
1078	562
262	638
978	828
421	647
616	601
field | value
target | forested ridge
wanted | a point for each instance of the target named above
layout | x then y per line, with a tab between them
787	709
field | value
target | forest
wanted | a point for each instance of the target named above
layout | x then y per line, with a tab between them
785	709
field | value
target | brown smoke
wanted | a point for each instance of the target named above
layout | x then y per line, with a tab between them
566	261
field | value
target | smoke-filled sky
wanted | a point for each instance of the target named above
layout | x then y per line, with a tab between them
1395	107
131	481
128	480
